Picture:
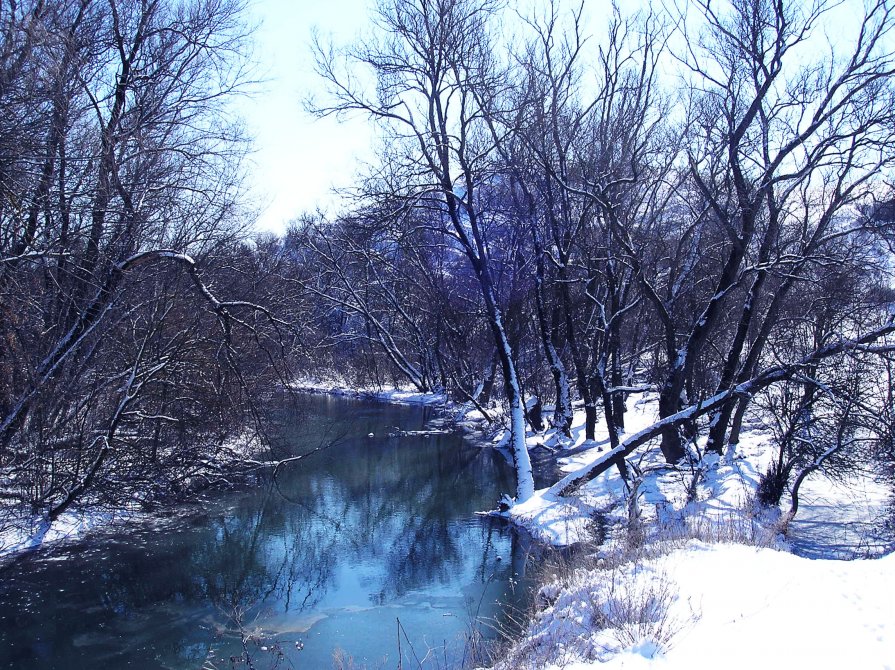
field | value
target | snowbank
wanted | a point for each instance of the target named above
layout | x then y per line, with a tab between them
718	493
402	396
23	532
684	604
565	521
723	605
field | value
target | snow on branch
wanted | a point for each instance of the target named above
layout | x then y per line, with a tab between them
568	484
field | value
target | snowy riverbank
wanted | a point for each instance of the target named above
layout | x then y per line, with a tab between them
705	605
688	575
718	493
712	580
22	531
735	596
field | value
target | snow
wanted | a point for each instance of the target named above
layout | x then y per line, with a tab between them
24	533
728	605
554	521
565	521
720	498
842	520
713	583
398	395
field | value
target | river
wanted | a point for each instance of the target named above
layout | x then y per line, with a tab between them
364	549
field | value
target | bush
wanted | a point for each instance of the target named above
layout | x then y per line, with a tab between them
772	485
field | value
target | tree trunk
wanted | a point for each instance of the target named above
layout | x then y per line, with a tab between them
590	419
513	389
618	397
671	445
562	414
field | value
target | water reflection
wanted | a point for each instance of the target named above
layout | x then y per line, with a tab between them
331	555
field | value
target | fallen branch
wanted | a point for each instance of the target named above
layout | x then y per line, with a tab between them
570	483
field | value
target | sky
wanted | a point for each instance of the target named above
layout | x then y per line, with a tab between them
299	159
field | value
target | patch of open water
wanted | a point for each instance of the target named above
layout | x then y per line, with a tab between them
367	542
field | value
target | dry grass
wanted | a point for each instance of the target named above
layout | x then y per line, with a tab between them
598	600
591	604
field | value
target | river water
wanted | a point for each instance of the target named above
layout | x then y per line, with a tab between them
366	549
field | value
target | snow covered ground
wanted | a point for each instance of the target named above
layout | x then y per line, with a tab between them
737	597
843	520
719	493
717	605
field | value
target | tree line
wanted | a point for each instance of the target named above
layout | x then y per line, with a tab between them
695	201
135	334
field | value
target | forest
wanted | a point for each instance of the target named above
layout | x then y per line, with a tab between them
691	201
699	204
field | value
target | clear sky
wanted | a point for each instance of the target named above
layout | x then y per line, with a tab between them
298	159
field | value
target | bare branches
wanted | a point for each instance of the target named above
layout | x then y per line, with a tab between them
760	381
128	168
441	93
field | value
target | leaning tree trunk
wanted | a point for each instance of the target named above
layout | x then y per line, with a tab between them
521	461
720	419
475	251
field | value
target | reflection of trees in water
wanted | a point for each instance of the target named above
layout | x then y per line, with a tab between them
263	557
392	503
406	496
113	604
399	506
263	554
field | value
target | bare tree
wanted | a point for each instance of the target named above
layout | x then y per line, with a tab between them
601	183
126	191
366	271
438	94
780	141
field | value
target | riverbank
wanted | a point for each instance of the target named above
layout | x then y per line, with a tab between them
715	492
691	571
696	604
691	565
22	531
395	396
463	416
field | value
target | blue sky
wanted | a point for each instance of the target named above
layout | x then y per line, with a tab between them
298	158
